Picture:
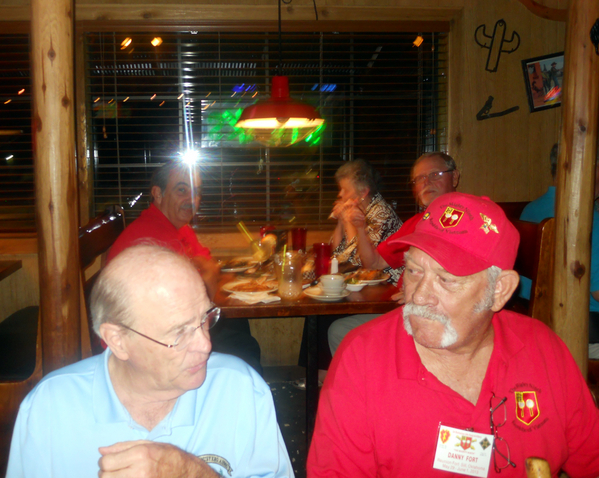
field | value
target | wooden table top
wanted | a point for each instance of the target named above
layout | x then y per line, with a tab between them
373	299
8	267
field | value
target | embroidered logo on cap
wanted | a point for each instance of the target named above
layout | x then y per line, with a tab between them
451	217
488	224
527	407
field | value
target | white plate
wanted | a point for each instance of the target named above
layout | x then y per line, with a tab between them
371	282
251	263
228	287
317	293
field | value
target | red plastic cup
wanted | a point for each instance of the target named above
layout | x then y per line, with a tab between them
322	258
298	238
264	230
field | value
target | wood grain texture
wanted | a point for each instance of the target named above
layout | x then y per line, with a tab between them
21	289
55	179
279	340
507	157
575	182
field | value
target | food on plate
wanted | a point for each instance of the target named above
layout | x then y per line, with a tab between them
252	286
238	263
365	275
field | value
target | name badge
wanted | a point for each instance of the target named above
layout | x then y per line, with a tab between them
463	452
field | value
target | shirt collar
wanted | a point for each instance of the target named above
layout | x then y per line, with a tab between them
506	345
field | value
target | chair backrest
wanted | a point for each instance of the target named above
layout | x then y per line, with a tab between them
95	238
513	210
535	260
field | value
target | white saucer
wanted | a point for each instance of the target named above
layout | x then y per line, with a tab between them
318	294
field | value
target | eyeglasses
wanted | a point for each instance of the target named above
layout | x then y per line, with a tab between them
183	339
501	450
432	177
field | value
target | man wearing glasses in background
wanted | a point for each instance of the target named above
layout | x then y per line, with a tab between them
433	174
450	381
156	403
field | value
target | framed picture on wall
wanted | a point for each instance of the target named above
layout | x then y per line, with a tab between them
544	77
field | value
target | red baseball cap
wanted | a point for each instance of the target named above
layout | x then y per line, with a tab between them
466	234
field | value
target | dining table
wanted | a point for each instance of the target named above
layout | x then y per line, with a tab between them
372	299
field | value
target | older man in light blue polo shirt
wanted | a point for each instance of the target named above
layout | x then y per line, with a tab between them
156	403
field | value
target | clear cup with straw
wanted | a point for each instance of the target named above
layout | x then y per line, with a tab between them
288	268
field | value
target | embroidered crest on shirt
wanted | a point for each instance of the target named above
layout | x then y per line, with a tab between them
219	460
451	217
527	407
444	434
488	224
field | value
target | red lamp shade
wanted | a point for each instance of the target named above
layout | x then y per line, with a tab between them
280	120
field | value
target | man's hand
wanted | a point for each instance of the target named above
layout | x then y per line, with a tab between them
399	297
148	459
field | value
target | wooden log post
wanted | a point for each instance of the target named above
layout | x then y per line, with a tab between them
575	181
53	128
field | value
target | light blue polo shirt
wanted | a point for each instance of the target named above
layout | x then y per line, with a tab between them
229	422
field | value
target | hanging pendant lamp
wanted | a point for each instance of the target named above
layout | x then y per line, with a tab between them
280	120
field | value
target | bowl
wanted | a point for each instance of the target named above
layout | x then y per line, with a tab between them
355	287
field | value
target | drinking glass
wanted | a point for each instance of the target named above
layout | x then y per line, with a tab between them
322	258
298	238
288	268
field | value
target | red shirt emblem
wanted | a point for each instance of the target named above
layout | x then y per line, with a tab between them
527	407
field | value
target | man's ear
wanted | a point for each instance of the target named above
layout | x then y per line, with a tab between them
112	334
504	288
455	177
157	195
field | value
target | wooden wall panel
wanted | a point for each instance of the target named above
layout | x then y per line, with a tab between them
21	289
279	339
507	157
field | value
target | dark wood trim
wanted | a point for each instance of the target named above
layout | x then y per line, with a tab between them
266	26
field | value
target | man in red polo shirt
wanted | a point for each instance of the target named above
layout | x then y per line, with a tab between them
433	174
450	384
175	191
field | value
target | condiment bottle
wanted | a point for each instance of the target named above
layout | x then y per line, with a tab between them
334	266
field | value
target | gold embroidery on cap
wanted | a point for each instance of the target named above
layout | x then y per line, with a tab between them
488	224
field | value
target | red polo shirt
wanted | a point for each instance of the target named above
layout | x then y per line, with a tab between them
153	226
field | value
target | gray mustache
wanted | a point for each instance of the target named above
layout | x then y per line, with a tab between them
412	309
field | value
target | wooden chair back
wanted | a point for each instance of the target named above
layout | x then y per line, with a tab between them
513	210
535	260
95	238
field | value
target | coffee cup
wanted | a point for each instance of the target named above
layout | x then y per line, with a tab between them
332	284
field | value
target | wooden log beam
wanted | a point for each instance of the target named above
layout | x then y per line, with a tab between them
575	181
557	14
53	128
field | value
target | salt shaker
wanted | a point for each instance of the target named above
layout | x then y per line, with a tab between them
334	265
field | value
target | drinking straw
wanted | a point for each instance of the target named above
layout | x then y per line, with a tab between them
243	230
284	257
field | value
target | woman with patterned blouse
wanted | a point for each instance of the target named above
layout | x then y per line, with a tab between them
358	194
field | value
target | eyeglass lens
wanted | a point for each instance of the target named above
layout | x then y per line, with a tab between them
209	320
434	176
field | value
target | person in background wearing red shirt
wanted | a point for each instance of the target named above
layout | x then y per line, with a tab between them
450	382
433	174
175	191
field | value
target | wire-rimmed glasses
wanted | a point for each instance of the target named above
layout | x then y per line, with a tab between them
432	177
501	450
183	339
